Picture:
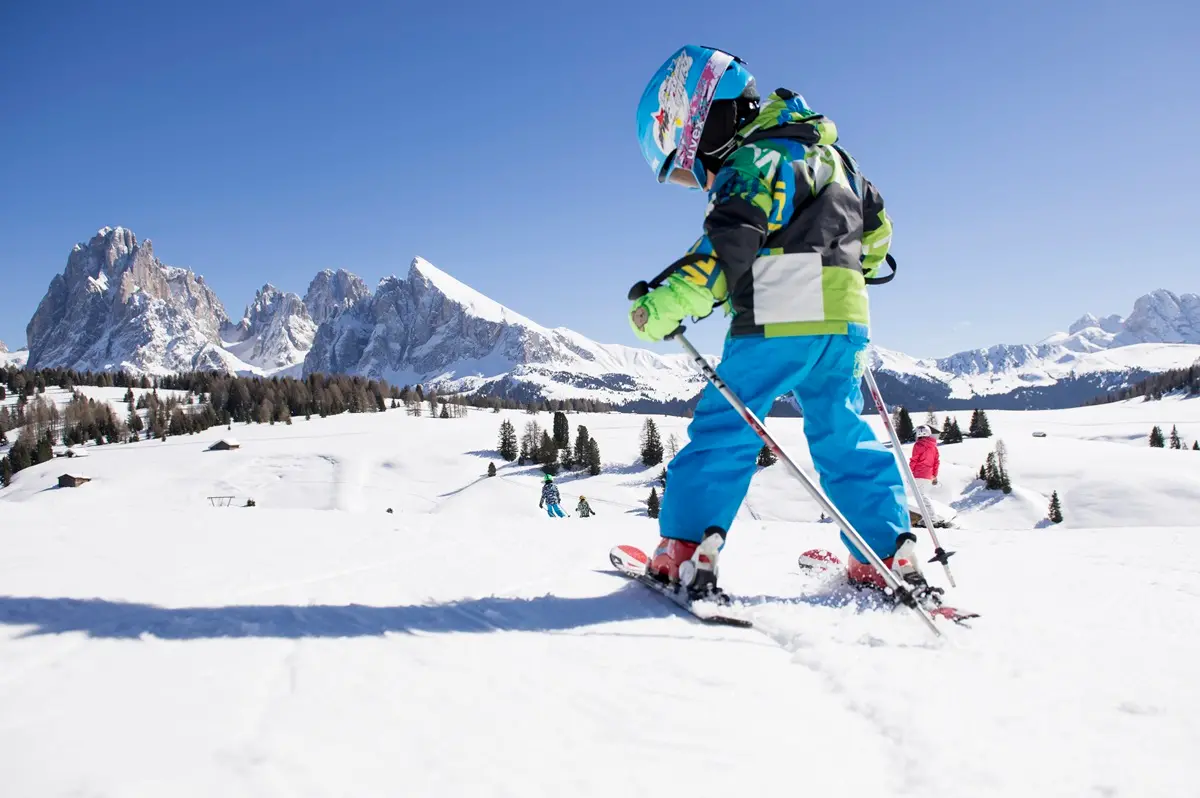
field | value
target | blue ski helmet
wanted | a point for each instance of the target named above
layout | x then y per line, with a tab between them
675	105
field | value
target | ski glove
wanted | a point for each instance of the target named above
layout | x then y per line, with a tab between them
657	314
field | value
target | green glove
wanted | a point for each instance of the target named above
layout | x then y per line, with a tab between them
657	314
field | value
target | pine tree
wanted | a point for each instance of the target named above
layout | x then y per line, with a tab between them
547	453
593	457
652	448
562	430
1157	441
652	504
973	428
1176	441
508	441
581	445
45	449
1055	515
766	457
491	469
958	436
982	428
6	472
904	427
947	433
445	412
566	458
991	474
1195	446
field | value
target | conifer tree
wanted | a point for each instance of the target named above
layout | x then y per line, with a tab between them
581	445
1157	441
6	472
548	453
1176	441
991	474
1055	515
766	457
652	504
984	430
904	427
445	412
652	448
45	449
947	434
566	458
593	457
508	441
562	430
973	427
491	469
1195	446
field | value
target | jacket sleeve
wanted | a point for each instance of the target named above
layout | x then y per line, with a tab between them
877	230
937	461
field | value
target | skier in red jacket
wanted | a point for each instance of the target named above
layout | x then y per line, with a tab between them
925	460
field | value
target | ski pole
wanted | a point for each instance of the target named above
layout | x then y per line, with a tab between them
939	554
898	588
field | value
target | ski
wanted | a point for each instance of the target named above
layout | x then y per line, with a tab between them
818	561
631	562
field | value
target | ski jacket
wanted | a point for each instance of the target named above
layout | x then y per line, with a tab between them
925	459
584	509
793	228
549	494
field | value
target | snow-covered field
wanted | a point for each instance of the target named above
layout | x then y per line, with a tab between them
465	645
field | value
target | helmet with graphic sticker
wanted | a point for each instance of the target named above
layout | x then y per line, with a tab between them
691	111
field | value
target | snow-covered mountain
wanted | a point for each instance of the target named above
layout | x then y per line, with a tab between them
275	332
116	306
1093	356
332	292
429	328
17	358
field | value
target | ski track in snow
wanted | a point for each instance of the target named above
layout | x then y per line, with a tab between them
466	644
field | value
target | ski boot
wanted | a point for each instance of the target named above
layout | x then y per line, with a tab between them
690	565
904	565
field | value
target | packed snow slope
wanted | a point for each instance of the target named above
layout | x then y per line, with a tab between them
465	644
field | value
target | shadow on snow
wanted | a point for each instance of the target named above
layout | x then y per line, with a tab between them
122	620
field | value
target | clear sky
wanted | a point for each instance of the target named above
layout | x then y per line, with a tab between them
1038	158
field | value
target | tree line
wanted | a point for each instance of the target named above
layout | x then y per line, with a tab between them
1156	386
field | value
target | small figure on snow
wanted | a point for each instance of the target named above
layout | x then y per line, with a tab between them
583	509
925	459
792	230
550	498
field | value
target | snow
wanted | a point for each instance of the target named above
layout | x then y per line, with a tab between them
475	303
467	645
18	358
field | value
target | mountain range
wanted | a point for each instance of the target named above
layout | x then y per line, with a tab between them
117	307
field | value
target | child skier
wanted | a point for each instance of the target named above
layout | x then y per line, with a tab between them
925	459
583	509
792	228
550	498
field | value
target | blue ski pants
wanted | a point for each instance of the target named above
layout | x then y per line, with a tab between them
709	477
553	510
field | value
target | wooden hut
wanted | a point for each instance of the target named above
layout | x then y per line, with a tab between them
72	480
225	445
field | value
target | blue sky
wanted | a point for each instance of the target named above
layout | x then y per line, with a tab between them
1039	159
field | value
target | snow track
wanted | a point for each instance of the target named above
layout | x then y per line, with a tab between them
465	644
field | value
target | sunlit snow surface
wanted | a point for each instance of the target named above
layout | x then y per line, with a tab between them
152	644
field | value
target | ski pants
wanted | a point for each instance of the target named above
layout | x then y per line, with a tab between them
553	510
710	476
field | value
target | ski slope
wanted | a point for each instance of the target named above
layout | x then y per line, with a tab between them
465	644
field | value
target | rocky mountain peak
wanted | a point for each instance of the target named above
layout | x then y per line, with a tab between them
332	292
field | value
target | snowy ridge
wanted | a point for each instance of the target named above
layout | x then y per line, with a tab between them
118	307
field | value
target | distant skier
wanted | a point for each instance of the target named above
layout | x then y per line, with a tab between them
925	459
550	498
583	509
792	228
